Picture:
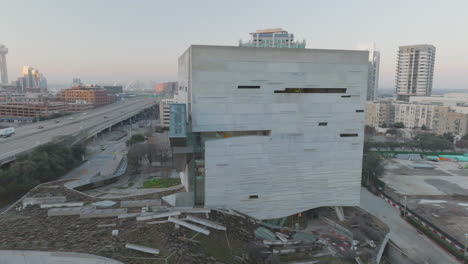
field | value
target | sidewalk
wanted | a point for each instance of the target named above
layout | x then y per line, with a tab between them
45	257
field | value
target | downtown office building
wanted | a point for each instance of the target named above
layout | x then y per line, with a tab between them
272	132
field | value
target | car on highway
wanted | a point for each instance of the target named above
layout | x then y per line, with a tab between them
40	127
105	116
57	121
70	118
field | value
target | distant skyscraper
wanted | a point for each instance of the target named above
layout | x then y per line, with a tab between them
32	80
167	88
273	38
42	81
76	82
374	62
415	71
3	64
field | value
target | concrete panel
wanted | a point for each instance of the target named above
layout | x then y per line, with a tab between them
161	215
98	213
149	250
206	223
189	226
79	204
140	203
44	200
68	211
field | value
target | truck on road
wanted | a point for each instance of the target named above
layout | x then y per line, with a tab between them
6	132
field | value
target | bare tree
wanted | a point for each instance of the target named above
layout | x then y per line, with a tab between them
135	156
151	153
164	155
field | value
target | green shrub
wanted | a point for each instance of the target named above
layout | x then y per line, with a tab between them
45	163
137	138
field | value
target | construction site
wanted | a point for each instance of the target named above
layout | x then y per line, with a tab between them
146	229
106	208
434	187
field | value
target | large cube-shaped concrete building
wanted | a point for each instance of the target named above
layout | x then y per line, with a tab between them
275	131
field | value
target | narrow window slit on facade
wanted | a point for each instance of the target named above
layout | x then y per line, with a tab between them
248	87
311	90
253	197
349	135
323	123
360	111
346	96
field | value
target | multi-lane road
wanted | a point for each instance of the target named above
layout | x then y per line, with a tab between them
89	123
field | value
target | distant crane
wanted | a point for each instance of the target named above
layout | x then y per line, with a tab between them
129	85
126	87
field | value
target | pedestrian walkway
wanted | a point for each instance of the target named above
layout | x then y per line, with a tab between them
418	247
45	257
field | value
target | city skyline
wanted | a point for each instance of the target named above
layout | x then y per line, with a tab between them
142	41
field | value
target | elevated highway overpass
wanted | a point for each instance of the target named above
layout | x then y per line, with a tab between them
80	125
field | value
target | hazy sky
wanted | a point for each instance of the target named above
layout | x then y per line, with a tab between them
105	40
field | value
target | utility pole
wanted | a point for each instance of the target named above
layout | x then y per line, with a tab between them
406	203
466	242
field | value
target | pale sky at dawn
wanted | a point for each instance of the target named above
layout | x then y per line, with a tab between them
110	40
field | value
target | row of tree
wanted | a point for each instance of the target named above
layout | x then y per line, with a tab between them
423	142
372	168
45	163
395	125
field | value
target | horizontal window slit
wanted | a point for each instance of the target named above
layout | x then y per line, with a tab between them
253	197
346	96
359	111
248	87
349	135
323	123
312	90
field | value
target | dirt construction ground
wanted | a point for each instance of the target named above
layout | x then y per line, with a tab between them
440	195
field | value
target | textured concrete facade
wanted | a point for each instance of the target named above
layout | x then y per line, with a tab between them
292	126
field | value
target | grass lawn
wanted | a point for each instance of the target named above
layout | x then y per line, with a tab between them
161	183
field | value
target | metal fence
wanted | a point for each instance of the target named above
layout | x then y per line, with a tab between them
434	229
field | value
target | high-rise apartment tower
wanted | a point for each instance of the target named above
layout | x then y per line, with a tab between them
3	65
272	38
415	71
